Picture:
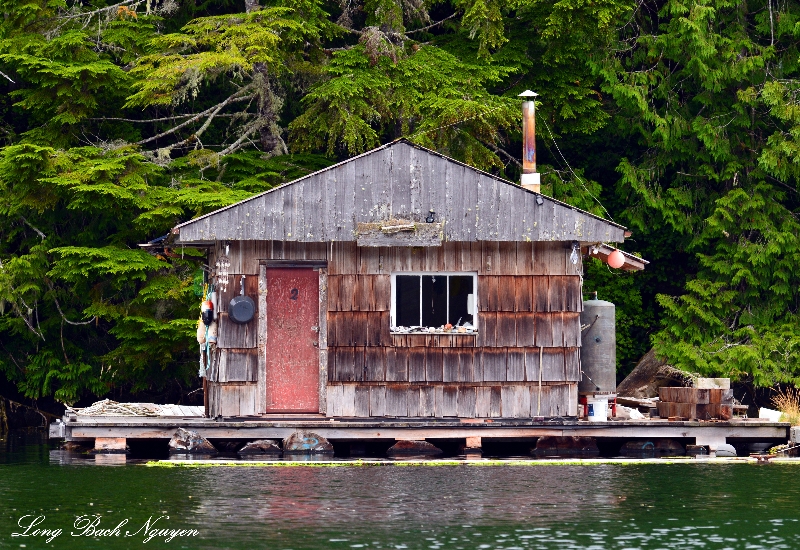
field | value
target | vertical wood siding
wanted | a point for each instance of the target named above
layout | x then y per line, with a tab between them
462	400
402	181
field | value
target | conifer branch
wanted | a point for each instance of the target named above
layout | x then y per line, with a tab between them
20	369
42	235
501	151
64	317
90	14
65	320
25	318
254	126
433	24
63	347
18	311
162	119
210	111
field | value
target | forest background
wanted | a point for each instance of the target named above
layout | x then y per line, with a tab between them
679	119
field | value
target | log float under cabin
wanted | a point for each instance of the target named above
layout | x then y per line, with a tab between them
353	269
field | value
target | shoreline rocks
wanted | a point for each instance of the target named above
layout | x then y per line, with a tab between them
413	448
261	447
190	442
307	443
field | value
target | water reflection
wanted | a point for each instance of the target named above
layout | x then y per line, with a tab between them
415	494
408	505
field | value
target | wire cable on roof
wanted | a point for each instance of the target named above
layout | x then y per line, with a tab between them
574	174
421	132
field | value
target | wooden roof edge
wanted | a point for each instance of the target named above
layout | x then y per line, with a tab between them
176	229
508	182
632	263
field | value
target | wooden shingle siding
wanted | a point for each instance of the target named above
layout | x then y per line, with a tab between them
553	329
397	400
452	365
522	306
515	365
232	335
450	361
374	364
361	397
358	328
525	329
506	329
453	400
528	293
416	365
246	255
494	364
434	364
232	399
396	364
360	292
345	258
466	366
433	340
237	365
487	329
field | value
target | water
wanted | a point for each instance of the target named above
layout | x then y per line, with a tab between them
686	505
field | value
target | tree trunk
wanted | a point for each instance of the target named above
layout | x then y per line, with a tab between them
266	110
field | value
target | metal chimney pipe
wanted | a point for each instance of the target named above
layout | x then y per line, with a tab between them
530	178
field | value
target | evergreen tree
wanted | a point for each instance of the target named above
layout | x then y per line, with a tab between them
706	90
122	119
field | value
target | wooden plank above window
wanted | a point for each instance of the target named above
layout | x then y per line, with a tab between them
399	233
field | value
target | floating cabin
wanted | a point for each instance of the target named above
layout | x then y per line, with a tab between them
343	263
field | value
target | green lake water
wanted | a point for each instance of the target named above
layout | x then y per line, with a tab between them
611	506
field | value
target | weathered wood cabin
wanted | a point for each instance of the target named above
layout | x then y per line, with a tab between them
355	269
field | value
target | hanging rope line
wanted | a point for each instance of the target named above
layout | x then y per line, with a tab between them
421	132
573	172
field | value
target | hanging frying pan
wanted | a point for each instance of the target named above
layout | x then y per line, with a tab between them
242	308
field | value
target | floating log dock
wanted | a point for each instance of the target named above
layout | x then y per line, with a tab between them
120	428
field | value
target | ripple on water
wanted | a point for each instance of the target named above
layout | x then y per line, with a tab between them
643	507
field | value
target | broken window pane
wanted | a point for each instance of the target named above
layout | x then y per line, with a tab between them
461	293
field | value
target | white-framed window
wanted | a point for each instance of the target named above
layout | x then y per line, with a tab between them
434	299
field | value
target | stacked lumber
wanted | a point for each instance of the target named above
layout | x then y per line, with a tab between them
695	403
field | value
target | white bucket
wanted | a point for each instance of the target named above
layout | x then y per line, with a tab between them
597	408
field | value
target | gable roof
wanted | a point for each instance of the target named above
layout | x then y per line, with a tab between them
399	180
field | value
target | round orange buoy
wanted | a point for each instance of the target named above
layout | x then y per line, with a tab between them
616	259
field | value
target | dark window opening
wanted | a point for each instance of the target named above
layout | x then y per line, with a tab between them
461	292
407	300
434	300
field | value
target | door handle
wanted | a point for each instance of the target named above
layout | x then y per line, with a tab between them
315	344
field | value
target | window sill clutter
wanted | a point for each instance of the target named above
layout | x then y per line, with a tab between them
432	330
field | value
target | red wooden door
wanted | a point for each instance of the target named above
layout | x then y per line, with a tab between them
292	340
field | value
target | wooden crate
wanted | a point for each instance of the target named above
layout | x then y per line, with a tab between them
695	411
695	395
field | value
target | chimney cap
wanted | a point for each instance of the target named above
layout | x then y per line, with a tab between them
528	93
